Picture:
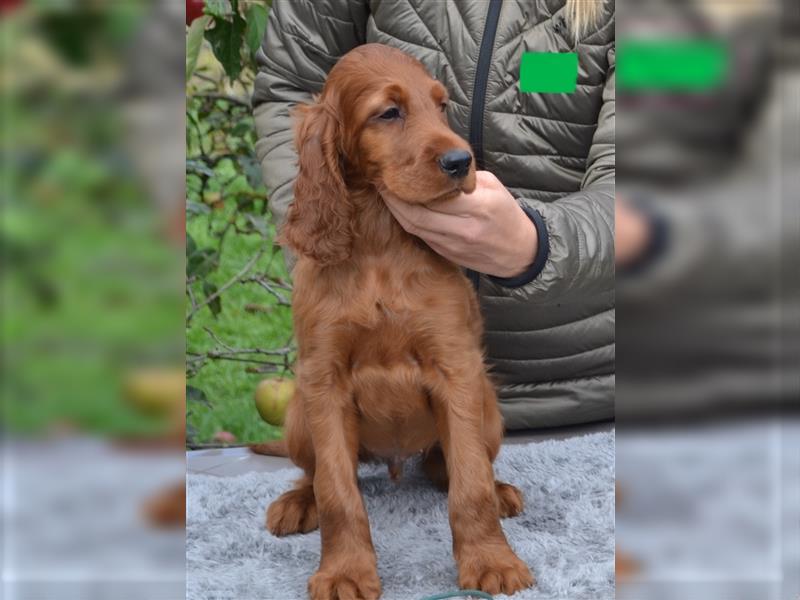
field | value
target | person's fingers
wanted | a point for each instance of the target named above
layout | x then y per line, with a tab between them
440	249
420	220
404	212
486	178
441	242
460	206
463	259
399	214
468	205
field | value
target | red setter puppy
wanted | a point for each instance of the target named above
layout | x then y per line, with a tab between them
389	333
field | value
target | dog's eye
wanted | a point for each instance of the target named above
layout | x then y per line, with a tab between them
391	114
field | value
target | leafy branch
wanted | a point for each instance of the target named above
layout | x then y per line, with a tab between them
225	351
216	294
234	271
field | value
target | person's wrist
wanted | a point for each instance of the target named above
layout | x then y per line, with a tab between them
524	247
651	240
632	237
538	256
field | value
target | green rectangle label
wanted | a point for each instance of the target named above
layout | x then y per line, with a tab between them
548	72
683	65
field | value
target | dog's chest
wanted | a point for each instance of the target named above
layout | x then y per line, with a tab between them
388	384
388	351
395	320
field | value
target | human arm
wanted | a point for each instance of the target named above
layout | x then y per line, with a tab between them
486	231
580	225
302	43
527	247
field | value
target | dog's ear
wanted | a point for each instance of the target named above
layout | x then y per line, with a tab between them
319	222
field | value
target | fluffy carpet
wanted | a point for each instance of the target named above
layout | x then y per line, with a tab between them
711	511
565	534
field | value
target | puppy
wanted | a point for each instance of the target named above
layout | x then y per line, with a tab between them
390	362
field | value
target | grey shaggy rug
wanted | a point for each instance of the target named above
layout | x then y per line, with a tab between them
565	534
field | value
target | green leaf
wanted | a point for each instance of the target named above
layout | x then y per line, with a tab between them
259	224
191	245
197	208
209	289
198	167
252	170
194	394
201	262
194	41
218	8
256	26
242	128
226	42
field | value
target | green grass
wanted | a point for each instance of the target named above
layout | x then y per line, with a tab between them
227	384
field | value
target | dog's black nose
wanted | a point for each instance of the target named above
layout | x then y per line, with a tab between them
455	163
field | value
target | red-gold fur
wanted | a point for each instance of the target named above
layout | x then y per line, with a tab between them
389	333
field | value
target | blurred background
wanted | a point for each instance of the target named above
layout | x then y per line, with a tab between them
708	369
136	242
92	299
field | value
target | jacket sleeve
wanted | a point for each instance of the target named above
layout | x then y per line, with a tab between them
579	227
303	41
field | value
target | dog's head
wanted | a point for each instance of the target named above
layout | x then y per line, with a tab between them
380	121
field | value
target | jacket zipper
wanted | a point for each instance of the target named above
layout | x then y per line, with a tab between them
479	94
481	78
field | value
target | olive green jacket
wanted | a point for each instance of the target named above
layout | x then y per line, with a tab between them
549	341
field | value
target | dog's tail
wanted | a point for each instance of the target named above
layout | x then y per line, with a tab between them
273	448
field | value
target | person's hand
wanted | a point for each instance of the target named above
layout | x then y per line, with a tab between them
631	233
485	231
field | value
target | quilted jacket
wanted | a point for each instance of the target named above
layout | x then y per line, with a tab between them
550	342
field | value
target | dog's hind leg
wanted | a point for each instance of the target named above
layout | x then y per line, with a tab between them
294	511
434	466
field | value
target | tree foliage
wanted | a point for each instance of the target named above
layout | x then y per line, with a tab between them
225	207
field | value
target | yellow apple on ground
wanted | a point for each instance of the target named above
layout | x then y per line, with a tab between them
272	398
156	391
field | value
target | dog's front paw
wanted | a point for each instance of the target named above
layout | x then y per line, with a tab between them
353	582
494	570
